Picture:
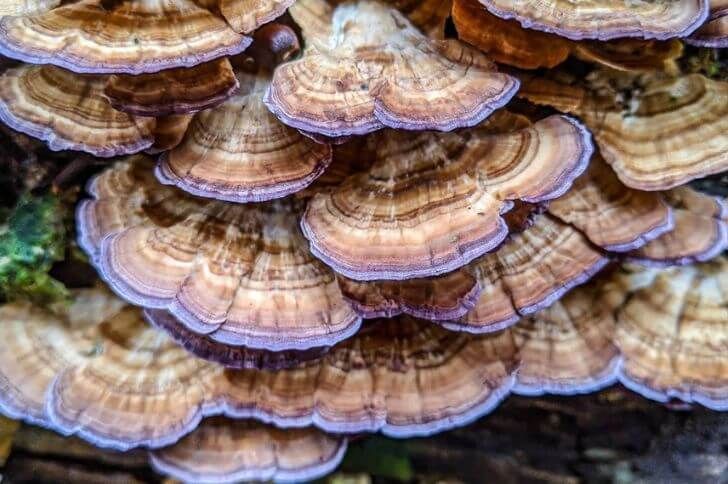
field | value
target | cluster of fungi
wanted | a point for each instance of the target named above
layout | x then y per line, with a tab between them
320	219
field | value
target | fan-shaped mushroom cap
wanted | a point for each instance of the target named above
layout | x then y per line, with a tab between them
506	41
37	345
242	274
369	382
169	132
605	19
237	357
701	231
714	33
672	330
226	451
567	348
670	130
240	152
175	91
17	8
366	66
610	214
69	112
247	15
127	37
432	201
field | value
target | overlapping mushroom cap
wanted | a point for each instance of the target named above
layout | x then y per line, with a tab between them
241	274
666	132
240	152
366	66
431	202
26	7
714	33
660	332
69	112
125	36
226	451
174	91
605	19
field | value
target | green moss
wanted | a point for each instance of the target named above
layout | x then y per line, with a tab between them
31	240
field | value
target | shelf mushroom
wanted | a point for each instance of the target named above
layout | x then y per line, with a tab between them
223	450
656	133
132	36
432	202
240	274
365	66
714	33
69	112
16	8
507	42
605	19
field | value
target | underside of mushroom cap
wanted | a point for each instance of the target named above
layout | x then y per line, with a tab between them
222	450
368	383
37	345
605	19
612	215
672	331
240	274
240	152
69	112
567	348
658	133
366	67
714	32
700	234
432	202
130	37
174	91
235	357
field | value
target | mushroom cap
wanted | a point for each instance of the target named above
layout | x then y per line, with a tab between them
37	345
169	132
427	15
432	202
605	19
69	112
713	33
174	91
222	450
240	274
674	131
240	152
567	348
505	41
700	234
236	357
612	215
369	382
128	37
16	8
672	331
247	15
632	55
366	66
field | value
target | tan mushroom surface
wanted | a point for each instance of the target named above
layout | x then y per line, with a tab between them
655	132
223	450
125	37
241	274
605	19
366	66
174	91
168	132
240	152
26	7
432	202
69	112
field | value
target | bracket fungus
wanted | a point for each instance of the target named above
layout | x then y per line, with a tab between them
16	8
223	450
656	133
240	152
174	91
365	66
241	274
122	36
714	33
432	202
605	19
69	112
